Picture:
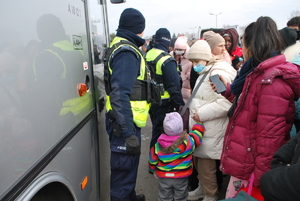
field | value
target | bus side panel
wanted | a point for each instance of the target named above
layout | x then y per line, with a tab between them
78	163
44	55
72	174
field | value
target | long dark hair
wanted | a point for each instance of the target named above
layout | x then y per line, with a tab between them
263	39
248	36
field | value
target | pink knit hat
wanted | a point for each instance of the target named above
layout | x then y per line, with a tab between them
173	124
181	43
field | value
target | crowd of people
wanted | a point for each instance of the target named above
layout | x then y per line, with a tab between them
242	132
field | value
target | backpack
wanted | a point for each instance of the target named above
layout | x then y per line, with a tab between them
152	65
152	68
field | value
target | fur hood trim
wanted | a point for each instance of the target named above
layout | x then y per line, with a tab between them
292	52
175	144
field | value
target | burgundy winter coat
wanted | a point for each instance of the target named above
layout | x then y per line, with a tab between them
262	120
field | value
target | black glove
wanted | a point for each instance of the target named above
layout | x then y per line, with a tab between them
171	108
133	147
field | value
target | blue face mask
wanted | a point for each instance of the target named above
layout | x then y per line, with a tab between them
198	68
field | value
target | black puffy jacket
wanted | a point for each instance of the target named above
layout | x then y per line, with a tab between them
281	183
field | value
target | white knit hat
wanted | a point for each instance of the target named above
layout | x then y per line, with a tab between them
173	124
200	50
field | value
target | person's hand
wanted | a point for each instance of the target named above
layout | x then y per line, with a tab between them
214	88
196	117
238	65
133	147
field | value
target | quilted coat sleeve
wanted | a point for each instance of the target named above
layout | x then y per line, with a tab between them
281	183
227	94
218	105
215	109
285	154
274	109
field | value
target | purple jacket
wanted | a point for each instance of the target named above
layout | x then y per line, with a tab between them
262	120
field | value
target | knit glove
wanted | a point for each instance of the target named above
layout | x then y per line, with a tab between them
133	147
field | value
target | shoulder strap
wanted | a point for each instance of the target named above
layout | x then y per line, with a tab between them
168	59
115	46
160	56
107	54
151	65
194	92
251	181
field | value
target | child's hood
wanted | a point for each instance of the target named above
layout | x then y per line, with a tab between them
170	143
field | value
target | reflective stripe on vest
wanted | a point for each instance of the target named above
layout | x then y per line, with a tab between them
151	55
76	105
140	109
63	75
65	46
73	105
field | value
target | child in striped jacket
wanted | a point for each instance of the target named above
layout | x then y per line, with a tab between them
170	159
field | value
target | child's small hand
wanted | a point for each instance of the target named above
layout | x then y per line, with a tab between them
196	118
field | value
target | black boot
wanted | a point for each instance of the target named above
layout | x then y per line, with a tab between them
140	197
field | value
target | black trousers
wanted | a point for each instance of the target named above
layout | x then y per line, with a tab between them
157	116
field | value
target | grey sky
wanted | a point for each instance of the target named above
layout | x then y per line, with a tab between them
181	16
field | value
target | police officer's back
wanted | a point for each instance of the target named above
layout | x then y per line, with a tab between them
166	74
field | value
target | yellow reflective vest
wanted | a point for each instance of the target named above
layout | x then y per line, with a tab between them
140	109
152	55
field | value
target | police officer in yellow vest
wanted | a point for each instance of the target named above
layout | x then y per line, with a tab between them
166	73
126	113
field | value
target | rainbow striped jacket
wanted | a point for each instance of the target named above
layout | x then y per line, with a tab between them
171	156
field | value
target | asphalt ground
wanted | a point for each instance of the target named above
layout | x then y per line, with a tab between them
146	183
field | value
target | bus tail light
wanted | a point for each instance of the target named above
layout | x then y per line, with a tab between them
82	89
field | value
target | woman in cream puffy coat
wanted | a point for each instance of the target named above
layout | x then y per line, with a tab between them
210	108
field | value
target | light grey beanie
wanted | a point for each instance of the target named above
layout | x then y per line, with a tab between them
200	51
213	39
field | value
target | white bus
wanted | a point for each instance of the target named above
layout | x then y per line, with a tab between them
48	116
